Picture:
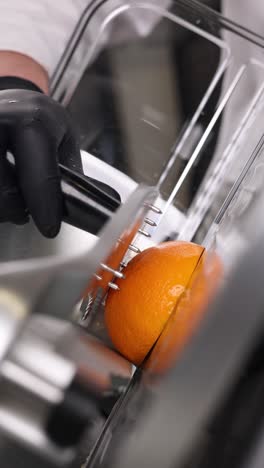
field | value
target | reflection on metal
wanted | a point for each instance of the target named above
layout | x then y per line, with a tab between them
134	248
144	233
98	277
154	208
113	286
150	222
116	273
88	306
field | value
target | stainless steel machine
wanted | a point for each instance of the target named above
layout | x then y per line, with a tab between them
192	172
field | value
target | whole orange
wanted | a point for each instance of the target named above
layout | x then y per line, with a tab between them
154	282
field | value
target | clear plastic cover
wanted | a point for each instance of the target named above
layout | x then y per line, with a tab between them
167	90
169	94
172	95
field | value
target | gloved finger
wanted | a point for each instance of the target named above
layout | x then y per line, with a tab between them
39	179
69	151
70	156
12	206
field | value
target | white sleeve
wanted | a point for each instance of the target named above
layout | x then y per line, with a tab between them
38	28
41	28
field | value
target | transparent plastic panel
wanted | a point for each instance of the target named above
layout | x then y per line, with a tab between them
141	110
238	137
178	105
240	220
238	226
163	91
171	95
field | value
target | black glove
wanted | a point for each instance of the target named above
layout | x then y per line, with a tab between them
38	132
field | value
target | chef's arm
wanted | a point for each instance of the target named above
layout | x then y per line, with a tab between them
19	65
33	127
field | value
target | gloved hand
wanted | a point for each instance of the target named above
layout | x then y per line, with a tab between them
39	134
